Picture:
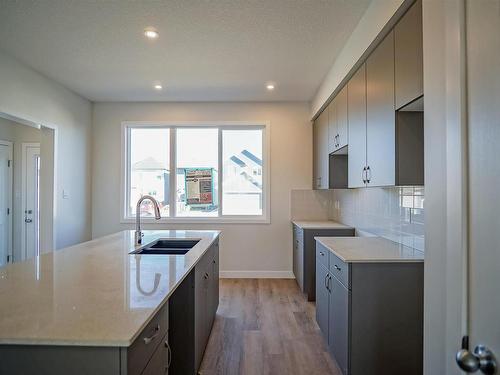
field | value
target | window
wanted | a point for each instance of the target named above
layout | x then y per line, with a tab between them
197	172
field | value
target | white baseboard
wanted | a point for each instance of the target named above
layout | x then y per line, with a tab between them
256	275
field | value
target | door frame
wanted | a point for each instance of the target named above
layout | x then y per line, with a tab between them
10	248
447	186
27	120
24	148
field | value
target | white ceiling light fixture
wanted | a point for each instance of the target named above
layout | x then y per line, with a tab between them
270	86
151	33
158	86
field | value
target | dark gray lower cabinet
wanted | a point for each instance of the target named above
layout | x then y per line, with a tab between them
304	250
338	322
322	298
193	306
371	314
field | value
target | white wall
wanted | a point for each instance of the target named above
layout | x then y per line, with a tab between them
371	24
28	95
265	248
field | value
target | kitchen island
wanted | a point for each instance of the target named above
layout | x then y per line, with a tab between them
94	308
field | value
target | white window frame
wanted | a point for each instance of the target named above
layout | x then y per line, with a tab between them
265	218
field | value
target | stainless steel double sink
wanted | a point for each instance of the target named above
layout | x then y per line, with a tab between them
167	247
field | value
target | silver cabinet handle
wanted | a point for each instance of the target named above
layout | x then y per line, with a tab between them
169	355
329	279
148	340
368	178
326	282
337	268
363	175
206	276
321	253
28	220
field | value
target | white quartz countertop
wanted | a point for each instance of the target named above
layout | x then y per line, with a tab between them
94	293
320	224
370	250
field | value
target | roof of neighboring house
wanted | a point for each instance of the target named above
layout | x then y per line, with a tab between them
252	157
148	164
238	161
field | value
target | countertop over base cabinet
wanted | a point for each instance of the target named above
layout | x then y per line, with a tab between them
173	342
304	263
371	314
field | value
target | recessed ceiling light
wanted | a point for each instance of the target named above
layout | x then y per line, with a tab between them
158	86
151	33
270	86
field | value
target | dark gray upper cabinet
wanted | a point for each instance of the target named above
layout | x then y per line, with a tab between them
380	115
337	121
320	146
332	125
356	99
342	122
409	56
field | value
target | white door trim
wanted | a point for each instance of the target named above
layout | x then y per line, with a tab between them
446	174
10	145
24	147
27	120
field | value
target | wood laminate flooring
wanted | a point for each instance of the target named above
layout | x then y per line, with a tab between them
265	326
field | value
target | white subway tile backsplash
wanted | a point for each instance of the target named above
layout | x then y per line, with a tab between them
395	213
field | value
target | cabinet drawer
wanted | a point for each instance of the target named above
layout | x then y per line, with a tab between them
322	255
141	350
339	269
160	361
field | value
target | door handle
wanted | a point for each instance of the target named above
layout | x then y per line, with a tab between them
363	175
368	178
481	359
28	220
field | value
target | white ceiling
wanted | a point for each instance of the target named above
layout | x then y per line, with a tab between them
208	50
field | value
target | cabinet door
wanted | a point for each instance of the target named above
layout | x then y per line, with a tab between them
322	299
408	56
321	151
338	322
380	116
356	114
213	285
160	361
201	310
342	125
332	125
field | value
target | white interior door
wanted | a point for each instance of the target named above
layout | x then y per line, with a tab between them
483	123
5	202
31	194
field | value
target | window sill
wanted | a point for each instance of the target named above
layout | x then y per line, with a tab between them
196	220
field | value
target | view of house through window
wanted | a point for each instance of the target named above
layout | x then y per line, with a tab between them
149	169
197	174
242	165
219	171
